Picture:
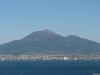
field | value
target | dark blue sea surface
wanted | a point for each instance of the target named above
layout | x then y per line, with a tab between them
49	67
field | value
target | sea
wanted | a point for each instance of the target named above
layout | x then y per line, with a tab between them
50	67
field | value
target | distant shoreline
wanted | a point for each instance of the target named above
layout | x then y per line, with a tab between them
48	57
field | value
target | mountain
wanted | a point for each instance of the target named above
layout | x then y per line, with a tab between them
41	35
48	42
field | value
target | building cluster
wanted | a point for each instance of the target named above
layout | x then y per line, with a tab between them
49	57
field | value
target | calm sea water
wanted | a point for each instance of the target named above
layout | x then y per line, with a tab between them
50	68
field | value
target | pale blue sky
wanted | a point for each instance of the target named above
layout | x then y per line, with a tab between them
18	18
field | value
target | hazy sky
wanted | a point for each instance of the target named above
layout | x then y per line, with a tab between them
19	18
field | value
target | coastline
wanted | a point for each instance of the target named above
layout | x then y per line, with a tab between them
48	57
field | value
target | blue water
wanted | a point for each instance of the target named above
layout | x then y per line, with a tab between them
49	67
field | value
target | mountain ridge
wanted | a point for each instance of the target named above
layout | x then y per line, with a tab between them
49	42
46	34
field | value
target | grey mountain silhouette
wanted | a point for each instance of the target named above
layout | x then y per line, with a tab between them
48	42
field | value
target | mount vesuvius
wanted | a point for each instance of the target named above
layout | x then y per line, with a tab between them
48	42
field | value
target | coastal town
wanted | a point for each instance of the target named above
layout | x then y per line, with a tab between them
48	57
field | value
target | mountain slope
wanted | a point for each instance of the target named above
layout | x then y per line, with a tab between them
48	42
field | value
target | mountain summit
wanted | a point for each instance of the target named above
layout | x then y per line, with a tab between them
48	42
41	35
